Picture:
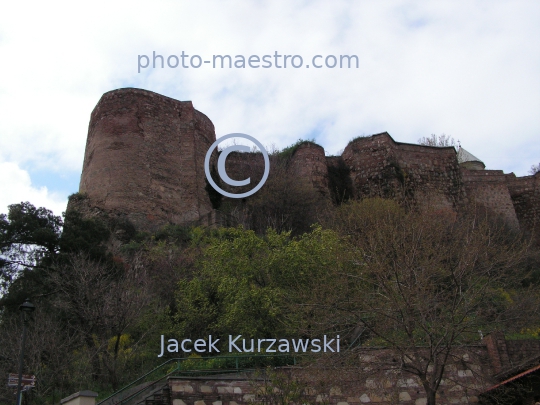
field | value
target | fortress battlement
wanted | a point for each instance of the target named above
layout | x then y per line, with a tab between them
145	153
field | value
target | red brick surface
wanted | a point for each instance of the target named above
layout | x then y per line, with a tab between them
144	158
145	152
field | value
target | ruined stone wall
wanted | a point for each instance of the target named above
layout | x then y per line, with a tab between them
309	163
431	176
369	160
525	194
241	165
489	188
432	173
144	161
144	158
380	166
463	383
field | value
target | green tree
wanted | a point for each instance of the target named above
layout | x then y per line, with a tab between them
233	291
33	240
253	285
29	239
86	235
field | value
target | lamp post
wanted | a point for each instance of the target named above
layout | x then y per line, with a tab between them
26	307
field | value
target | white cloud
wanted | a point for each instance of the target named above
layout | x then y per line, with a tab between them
16	187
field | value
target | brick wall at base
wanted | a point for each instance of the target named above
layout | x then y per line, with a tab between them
462	387
473	370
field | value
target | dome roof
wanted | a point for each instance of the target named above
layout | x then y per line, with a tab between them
464	156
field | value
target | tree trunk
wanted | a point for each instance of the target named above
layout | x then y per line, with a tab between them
114	375
94	357
431	396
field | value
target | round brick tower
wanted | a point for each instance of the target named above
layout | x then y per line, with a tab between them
309	162
144	158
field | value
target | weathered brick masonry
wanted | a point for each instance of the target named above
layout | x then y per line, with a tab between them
145	153
489	188
475	370
309	163
144	158
525	193
381	166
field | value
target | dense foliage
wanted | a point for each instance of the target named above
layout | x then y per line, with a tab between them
374	272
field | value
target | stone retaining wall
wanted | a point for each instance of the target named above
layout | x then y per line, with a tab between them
472	371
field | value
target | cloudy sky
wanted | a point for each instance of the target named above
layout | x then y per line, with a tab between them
469	69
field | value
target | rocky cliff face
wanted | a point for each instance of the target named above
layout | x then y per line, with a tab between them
144	161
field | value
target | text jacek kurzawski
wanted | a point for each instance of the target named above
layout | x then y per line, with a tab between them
238	345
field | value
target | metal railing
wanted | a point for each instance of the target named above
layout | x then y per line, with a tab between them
195	366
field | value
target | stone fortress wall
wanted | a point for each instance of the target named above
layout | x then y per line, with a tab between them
525	195
381	166
490	188
145	154
144	158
